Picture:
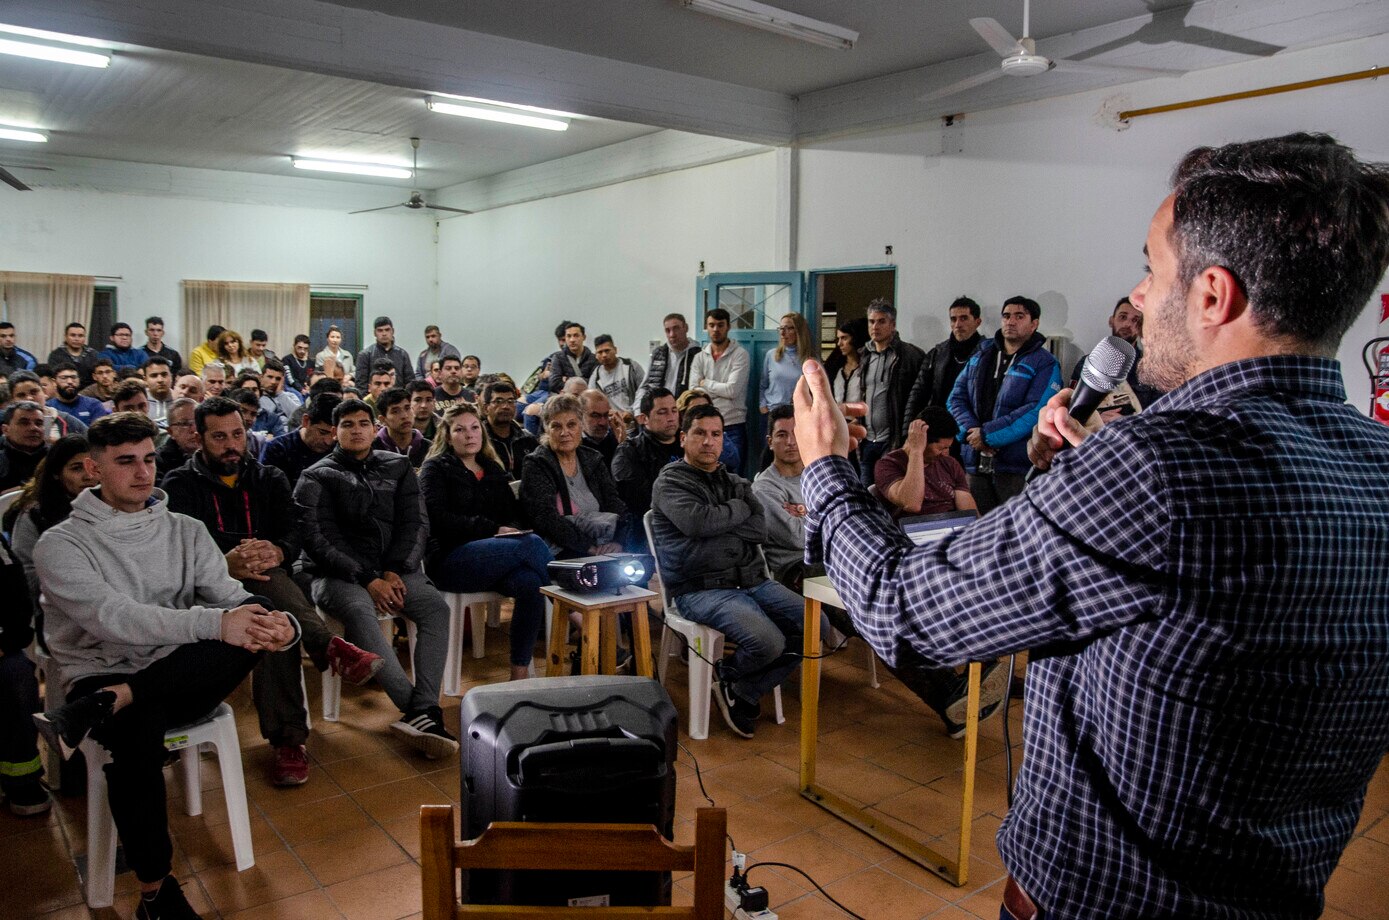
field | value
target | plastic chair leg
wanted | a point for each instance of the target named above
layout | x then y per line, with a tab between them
190	762
776	700
663	656
234	788
480	617
453	654
701	692
101	830
332	696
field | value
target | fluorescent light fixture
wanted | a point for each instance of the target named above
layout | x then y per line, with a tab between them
55	36
762	16
491	111
358	169
50	53
13	131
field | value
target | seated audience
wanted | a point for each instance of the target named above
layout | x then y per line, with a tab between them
189	386
778	488
475	537
299	366
268	418
364	535
214	379
398	434
256	350
183	438
159	380
385	349
47	499
510	441
472	372
85	409
231	353
640	458
572	359
46	381
693	396
381	379
26	386
21	768
148	631
154	346
12	357
273	393
22	443
782	368
709	527
76	351
567	490
435	351
119	350
249	511
424	419
308	443
206	353
251	417
103	385
603	427
451	391
921	477
619	379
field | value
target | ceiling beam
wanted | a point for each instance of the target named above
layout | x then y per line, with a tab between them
363	45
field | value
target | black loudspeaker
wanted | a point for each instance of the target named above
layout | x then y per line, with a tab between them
593	749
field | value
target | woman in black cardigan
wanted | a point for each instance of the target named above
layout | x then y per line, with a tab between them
568	491
474	543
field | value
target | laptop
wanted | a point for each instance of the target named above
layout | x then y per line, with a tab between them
930	528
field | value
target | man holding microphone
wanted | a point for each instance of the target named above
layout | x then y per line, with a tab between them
1202	586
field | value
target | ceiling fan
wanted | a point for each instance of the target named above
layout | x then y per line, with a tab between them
1020	58
1168	24
15	182
416	200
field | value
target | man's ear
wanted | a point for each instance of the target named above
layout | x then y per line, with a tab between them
1218	296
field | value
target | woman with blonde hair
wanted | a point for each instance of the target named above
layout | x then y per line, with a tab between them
231	351
475	539
782	368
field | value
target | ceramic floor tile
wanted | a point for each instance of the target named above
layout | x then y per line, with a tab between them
339	817
311	905
274	877
388	894
337	859
399	799
368	770
883	896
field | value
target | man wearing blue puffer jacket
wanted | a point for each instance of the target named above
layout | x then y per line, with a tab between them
996	399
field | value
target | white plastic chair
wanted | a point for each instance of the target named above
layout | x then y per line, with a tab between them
332	683
706	646
483	609
8	499
218	731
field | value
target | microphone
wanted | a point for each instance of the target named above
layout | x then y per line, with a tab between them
1106	367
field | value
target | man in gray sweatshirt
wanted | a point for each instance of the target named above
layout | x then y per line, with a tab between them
148	631
778	487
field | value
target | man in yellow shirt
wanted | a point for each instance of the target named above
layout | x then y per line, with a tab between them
204	353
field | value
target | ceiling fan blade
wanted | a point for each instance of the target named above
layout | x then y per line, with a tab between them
999	38
439	207
8	178
383	208
1113	69
980	79
1224	41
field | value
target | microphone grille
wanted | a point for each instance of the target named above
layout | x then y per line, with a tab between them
1109	364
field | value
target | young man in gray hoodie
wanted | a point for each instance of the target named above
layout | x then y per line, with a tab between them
148	631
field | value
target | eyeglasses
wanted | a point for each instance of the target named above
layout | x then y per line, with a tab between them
180	424
502	402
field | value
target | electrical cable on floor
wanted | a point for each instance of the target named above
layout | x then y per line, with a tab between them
828	896
1007	734
702	791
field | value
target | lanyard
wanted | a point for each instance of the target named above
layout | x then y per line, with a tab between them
246	501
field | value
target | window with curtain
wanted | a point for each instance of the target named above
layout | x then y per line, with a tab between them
41	305
282	310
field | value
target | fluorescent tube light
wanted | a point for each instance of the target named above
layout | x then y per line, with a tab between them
10	132
493	112
762	16
359	169
55	36
50	53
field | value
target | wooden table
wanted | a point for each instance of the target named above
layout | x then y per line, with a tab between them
599	610
820	591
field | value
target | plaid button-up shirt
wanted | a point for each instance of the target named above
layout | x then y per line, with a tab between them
1205	591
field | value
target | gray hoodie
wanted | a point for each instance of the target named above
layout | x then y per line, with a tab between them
122	590
785	532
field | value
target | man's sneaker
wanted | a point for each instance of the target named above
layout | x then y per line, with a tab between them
354	665
741	716
168	903
425	730
68	726
956	730
992	684
26	796
291	767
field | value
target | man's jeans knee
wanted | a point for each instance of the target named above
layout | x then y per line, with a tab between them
765	622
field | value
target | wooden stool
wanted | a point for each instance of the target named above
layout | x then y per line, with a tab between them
599	610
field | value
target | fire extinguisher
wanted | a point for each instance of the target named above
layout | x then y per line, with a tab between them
1376	358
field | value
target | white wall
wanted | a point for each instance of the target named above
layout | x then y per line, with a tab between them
1046	200
615	258
156	242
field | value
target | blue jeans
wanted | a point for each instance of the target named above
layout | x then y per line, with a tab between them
869	453
514	566
735	447
766	623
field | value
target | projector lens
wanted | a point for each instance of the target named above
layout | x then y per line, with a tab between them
634	570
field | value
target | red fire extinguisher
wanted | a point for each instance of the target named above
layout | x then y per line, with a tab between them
1376	358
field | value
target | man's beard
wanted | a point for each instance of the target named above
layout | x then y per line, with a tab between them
1169	350
67	394
225	465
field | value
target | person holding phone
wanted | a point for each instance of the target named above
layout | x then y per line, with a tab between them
474	541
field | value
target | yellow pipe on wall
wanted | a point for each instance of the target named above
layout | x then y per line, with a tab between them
1370	74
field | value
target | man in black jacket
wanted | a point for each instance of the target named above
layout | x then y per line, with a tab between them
364	533
944	362
669	366
640	458
573	360
889	367
247	509
23	443
603	430
709	528
384	349
295	452
75	350
511	441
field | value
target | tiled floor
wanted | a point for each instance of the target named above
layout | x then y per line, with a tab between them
346	844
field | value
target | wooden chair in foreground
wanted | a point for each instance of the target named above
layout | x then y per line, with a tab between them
581	847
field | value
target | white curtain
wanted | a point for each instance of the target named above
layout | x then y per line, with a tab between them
41	305
282	310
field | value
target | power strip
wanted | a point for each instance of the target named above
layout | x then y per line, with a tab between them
733	901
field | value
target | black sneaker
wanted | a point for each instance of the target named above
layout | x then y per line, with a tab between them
26	796
68	726
168	903
741	716
956	730
425	730
992	684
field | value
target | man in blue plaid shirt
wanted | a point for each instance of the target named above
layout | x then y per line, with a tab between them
1204	586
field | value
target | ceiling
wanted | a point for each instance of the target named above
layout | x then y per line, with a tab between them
240	85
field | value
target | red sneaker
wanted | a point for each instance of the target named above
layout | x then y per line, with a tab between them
352	664
291	766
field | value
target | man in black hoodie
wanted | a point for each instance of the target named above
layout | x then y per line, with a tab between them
641	457
295	452
944	362
573	360
247	509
